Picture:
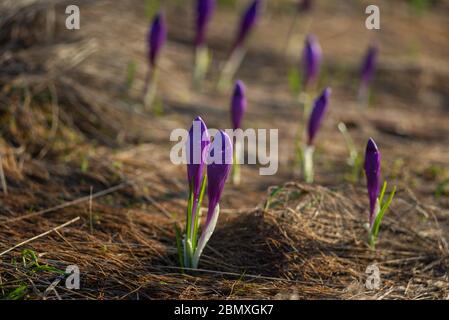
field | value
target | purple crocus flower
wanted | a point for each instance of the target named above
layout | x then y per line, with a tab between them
311	60
238	104
197	147
248	20
369	66
218	169
156	37
372	171
319	109
204	12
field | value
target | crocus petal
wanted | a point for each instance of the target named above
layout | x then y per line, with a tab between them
311	60
369	66
197	147
204	12
238	104
218	167
372	171
248	20
156	37
319	109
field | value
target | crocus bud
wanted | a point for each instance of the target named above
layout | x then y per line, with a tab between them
368	66
238	104
311	60
319	109
197	147
372	172
204	12
248	20
156	37
219	165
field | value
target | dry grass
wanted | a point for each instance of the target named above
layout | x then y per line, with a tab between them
309	242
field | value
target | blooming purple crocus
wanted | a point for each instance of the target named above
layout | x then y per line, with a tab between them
197	147
368	66
218	168
248	21
204	12
156	37
311	60
372	171
319	109
238	104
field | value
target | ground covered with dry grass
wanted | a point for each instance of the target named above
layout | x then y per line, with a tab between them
89	181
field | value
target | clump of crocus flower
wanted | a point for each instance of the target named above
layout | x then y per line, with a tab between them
238	108
377	206
208	163
316	117
248	20
156	38
367	73
204	12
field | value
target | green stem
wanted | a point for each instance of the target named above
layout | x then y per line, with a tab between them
303	100
236	165
189	214
197	213
150	89
290	33
371	240
353	154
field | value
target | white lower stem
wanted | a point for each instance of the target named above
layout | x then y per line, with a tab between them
205	236
202	61
308	164
230	68
150	90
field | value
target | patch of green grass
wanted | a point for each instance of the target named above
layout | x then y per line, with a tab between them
273	193
294	81
31	262
227	3
84	164
419	6
130	74
442	189
151	8
435	172
18	293
158	107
